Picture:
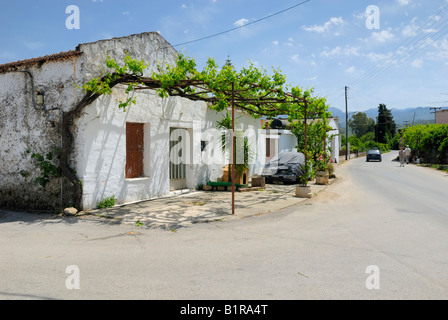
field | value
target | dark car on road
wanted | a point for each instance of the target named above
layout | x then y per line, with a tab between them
373	154
286	167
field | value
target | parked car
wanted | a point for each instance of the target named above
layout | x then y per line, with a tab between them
286	167
373	154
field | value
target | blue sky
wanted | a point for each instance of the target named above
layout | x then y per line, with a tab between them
324	44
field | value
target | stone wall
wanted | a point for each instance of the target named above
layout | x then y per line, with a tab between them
26	126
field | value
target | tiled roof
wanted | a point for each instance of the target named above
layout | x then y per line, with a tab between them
28	62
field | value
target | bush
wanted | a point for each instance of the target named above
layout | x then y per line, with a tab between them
429	142
106	203
366	143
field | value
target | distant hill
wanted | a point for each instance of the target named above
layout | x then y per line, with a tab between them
417	115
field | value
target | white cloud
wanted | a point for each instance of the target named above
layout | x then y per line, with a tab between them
417	63
240	23
440	51
360	15
410	30
352	69
295	58
347	51
383	36
290	42
275	43
404	2
376	57
326	26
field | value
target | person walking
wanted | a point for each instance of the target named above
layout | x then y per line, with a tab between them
407	154
401	156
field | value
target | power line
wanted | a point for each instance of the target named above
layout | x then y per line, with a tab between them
243	26
407	53
408	47
435	112
408	41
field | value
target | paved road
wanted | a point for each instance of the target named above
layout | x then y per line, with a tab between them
378	214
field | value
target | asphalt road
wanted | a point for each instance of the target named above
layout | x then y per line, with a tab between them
381	232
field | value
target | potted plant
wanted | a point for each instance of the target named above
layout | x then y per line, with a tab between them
303	190
331	168
322	174
242	169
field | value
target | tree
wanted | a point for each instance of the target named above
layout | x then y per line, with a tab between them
385	127
361	124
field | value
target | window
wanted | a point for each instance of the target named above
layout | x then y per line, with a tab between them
134	150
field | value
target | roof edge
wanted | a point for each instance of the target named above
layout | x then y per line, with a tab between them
30	62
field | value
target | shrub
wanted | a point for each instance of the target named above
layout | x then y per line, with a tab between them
428	141
106	203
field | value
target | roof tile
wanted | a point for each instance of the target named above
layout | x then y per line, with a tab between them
28	62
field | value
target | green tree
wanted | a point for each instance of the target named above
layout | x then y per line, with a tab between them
361	124
429	142
385	125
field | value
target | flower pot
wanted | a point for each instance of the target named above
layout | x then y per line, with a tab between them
322	177
242	179
303	192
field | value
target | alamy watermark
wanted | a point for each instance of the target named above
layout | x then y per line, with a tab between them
214	147
73	21
73	280
373	280
373	17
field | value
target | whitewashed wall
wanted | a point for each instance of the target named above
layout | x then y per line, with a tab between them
101	146
335	142
23	126
99	153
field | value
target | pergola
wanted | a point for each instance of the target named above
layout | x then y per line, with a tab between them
256	99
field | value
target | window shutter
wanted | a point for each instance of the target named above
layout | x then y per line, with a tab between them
134	150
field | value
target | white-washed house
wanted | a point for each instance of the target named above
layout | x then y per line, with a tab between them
115	153
280	139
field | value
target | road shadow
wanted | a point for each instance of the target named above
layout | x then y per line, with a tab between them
29	217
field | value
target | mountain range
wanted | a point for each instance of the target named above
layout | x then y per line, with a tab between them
411	115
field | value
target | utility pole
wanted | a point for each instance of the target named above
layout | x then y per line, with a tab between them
406	123
435	112
346	124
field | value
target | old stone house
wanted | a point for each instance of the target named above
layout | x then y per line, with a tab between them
116	153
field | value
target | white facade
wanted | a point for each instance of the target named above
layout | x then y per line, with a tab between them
280	140
283	140
99	149
335	139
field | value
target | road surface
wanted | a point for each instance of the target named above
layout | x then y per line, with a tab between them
380	232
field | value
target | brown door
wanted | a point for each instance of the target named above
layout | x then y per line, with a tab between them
134	150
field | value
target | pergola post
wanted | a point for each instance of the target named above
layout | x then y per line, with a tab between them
306	138
233	148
